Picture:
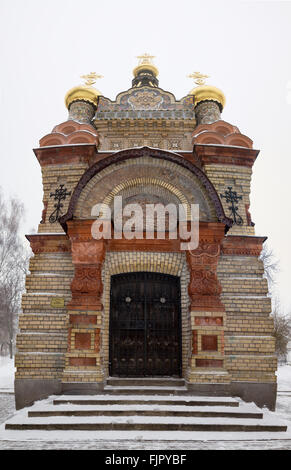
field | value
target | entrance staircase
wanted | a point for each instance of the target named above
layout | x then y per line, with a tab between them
145	405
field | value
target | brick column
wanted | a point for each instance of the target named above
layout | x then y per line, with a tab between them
83	358
206	363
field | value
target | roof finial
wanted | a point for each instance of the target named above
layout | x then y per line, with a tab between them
90	78
198	77
145	59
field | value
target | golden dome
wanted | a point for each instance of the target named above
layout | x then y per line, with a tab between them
145	63
208	92
82	93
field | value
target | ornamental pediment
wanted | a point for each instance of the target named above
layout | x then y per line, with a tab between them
143	99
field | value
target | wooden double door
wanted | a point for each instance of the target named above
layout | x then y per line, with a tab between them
145	325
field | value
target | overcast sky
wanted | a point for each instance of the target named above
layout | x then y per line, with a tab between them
245	46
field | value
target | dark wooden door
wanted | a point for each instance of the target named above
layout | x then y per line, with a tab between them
145	325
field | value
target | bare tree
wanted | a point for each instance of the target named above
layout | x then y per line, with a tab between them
282	321
13	266
271	265
282	330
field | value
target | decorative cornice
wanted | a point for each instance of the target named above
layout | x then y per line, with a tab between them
220	133
70	132
66	154
242	245
225	155
49	243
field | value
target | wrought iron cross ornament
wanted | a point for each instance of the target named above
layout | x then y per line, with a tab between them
232	197
60	195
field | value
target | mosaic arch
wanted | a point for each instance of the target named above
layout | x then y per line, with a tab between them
168	171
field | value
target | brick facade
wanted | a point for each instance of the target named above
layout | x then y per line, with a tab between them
63	342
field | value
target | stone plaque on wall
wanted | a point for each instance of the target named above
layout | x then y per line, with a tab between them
57	302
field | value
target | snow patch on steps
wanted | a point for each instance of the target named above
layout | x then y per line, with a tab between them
21	417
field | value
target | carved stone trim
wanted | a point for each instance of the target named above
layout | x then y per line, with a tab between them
49	243
87	286
204	282
88	252
86	279
204	288
87	256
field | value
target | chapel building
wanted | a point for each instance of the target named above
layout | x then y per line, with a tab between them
96	308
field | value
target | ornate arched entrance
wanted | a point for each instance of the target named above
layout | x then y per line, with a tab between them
96	308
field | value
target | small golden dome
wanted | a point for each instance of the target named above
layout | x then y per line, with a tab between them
208	92
82	93
145	63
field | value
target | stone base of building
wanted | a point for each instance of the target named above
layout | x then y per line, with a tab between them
204	389
78	388
27	391
262	394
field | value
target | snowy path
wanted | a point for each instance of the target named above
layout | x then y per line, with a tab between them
149	445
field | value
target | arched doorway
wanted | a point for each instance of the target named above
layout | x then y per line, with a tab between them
145	325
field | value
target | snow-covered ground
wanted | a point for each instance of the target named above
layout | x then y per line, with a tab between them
148	440
6	374
284	378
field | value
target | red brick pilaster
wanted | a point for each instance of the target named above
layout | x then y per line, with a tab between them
88	256
85	307
204	288
207	310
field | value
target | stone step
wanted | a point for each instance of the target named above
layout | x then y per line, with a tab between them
149	400
142	412
145	413
137	382
140	424
144	390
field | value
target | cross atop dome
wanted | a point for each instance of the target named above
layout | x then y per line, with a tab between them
145	59
90	78
204	92
199	78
